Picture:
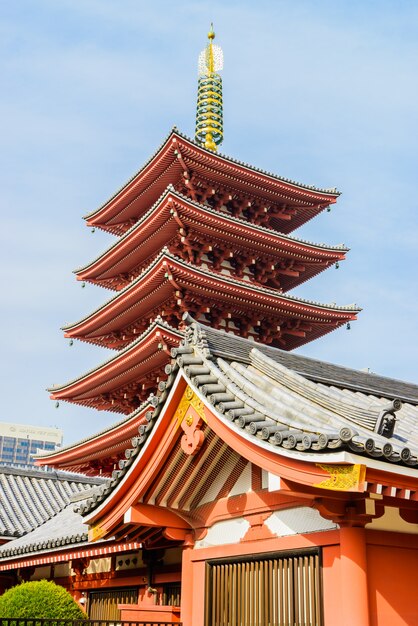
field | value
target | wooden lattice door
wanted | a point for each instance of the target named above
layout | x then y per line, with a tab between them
103	605
282	590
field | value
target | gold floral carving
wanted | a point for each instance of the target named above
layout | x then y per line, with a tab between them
343	477
189	398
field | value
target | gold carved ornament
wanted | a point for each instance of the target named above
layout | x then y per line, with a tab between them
343	477
190	421
96	532
189	398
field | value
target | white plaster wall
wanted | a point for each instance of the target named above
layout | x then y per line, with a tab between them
222	533
270	481
296	521
128	561
99	565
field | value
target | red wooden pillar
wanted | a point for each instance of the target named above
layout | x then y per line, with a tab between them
187	583
353	563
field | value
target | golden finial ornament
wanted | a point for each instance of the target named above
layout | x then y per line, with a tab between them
209	117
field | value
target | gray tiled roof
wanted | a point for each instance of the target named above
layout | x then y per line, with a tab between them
65	529
285	401
31	497
232	347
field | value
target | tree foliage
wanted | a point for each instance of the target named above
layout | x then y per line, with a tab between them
39	599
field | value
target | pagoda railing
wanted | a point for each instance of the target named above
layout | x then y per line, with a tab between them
79	622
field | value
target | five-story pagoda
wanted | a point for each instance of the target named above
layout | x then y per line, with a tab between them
202	233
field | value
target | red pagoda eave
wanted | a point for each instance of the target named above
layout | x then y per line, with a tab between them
174	212
85	455
119	384
170	278
179	155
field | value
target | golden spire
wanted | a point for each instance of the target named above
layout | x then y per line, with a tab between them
209	120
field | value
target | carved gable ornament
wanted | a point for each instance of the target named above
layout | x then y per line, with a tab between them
190	416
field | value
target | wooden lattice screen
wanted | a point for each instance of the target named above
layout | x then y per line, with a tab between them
270	591
103	605
171	595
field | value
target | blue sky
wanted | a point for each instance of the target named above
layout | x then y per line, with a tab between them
321	92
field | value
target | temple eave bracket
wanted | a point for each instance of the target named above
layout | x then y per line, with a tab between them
174	526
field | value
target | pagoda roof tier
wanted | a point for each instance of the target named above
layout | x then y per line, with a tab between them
170	286
99	453
217	178
122	383
194	230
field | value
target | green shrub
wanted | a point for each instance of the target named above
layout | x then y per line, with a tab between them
39	599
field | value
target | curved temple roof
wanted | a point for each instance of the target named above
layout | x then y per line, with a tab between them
291	407
288	405
59	539
168	164
31	497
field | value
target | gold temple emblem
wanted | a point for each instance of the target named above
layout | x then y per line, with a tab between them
96	532
190	421
189	398
343	477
